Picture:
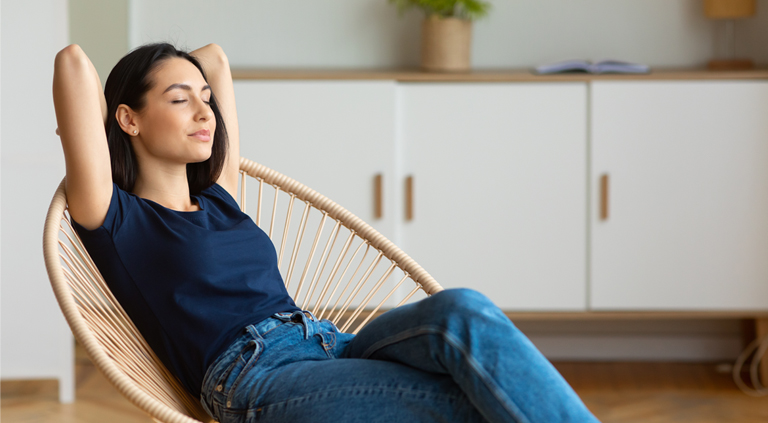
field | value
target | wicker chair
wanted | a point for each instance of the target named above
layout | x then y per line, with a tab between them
334	284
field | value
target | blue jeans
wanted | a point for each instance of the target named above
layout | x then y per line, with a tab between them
452	357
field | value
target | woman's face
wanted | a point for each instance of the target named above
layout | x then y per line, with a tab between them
177	123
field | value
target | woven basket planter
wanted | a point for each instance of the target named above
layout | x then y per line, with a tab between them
445	44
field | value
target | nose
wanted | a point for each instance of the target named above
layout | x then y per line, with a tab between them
205	112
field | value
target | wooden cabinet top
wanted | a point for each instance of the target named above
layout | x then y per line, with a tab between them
490	75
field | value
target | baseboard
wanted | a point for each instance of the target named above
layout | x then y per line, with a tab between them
685	341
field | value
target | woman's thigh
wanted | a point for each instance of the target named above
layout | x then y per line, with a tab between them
461	333
349	390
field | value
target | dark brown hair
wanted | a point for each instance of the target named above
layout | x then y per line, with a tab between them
128	84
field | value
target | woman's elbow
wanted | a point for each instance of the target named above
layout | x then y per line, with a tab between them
70	56
216	53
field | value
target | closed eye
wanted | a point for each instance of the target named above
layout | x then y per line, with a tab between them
182	101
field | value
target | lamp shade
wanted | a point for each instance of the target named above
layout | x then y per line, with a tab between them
729	9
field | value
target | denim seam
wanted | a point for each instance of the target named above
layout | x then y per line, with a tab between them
455	343
327	346
265	408
231	366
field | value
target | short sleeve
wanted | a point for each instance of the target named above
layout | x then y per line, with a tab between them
120	205
218	191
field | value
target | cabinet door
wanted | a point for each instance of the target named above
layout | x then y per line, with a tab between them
333	136
687	170
499	183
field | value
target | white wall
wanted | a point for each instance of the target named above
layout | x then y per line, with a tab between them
100	28
369	33
36	341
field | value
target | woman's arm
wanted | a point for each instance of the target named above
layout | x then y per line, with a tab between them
81	111
216	67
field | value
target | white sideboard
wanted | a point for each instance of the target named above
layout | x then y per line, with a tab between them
687	195
499	190
507	194
333	136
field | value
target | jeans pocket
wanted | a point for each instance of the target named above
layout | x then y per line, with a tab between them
246	360
227	379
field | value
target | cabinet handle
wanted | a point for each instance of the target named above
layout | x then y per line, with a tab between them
378	194
604	197
409	198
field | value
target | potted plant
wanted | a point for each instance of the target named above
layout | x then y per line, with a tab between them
446	32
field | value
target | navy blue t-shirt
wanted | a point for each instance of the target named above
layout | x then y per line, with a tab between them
190	281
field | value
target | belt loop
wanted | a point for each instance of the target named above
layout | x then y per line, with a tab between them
253	332
306	319
307	314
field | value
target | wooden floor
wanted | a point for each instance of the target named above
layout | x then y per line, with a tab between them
662	393
615	392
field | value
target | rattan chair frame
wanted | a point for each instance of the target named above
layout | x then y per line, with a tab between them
121	354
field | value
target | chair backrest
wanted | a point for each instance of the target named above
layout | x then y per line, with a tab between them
348	273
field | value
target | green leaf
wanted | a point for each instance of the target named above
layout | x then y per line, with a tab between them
463	9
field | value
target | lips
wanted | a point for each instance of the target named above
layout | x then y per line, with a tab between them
202	135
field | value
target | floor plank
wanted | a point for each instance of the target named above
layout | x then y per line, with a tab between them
662	393
96	400
615	392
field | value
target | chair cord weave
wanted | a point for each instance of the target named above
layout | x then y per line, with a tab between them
120	352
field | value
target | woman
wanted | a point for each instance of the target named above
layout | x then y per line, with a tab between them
152	197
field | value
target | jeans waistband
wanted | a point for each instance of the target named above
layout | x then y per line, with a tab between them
277	319
258	330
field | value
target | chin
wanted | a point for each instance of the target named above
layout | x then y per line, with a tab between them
200	160
202	157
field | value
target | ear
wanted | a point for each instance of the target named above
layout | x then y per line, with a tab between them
127	119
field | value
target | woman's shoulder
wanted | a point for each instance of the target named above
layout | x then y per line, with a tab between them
218	192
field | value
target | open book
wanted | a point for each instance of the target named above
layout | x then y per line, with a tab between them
603	66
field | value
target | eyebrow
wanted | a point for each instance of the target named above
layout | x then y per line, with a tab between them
184	87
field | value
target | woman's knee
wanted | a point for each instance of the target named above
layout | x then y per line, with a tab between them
466	311
464	301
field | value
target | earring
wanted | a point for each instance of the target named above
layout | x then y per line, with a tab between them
135	132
